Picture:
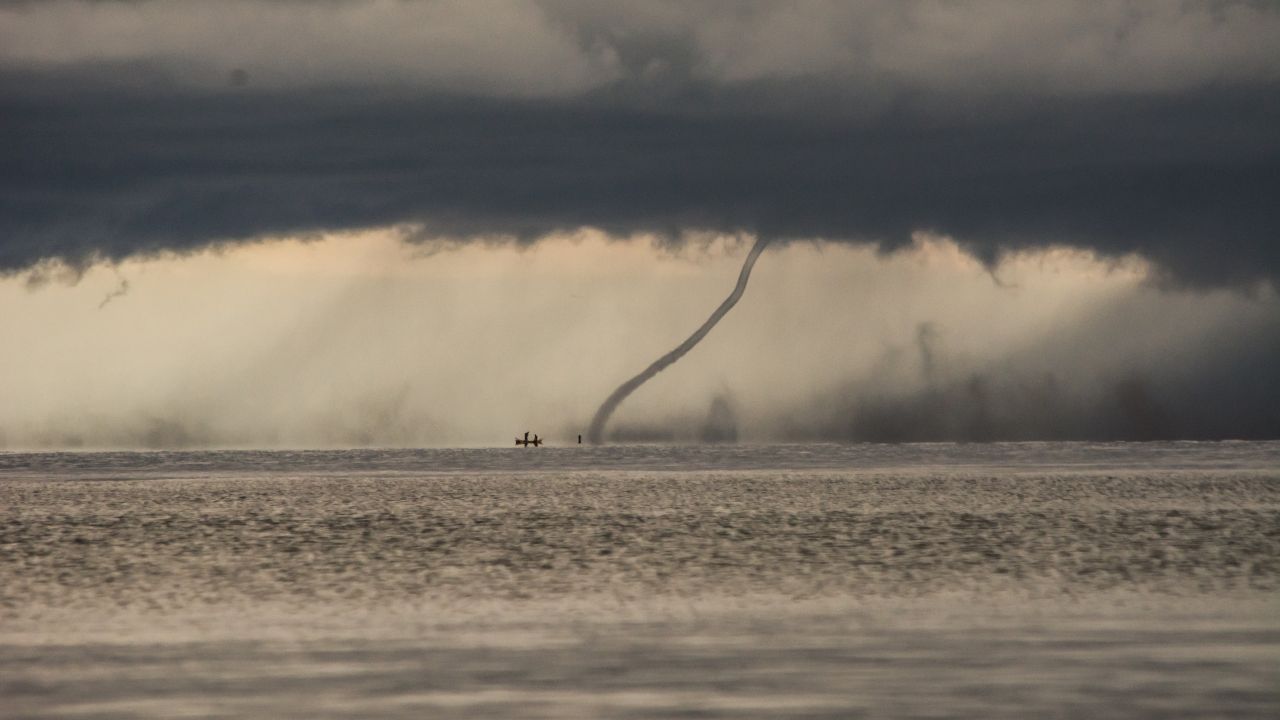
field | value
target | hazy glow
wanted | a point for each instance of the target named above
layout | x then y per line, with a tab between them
361	339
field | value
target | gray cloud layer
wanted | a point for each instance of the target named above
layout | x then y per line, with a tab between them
133	128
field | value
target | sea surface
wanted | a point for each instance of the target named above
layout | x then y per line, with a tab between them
1026	580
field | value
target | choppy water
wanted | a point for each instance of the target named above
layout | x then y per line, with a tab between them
1002	580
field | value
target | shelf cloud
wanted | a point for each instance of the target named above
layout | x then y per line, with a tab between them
137	128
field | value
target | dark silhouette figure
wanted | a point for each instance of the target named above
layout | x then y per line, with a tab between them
579	438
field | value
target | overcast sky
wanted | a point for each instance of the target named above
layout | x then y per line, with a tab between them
1132	146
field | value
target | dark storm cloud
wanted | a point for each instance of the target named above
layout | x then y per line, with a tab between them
1151	130
1189	182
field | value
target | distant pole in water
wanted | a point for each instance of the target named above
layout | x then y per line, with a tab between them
595	433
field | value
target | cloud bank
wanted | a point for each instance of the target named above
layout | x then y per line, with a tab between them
140	128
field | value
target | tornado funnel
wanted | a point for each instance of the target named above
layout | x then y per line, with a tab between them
596	432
